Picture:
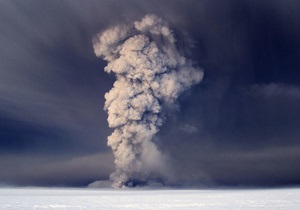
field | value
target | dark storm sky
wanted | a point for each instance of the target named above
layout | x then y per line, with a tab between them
239	126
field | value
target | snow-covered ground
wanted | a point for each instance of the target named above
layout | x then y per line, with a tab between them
48	198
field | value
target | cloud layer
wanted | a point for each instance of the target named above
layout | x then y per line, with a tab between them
238	126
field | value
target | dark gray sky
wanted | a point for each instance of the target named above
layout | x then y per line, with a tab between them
240	126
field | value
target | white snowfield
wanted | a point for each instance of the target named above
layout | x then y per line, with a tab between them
65	198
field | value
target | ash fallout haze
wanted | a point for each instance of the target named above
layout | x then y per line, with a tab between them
199	93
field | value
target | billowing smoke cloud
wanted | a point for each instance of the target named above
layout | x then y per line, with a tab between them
151	73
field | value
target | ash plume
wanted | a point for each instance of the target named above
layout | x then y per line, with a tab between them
151	73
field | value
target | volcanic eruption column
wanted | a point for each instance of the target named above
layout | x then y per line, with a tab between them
151	73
